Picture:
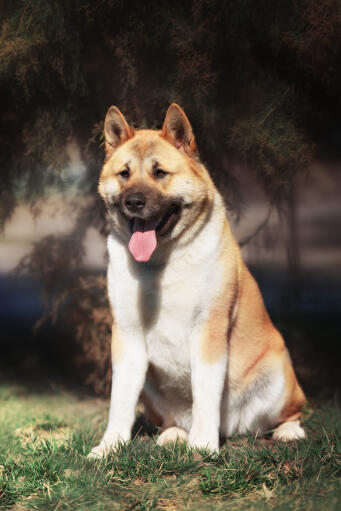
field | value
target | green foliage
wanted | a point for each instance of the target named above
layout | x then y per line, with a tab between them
260	140
43	463
63	63
87	311
259	82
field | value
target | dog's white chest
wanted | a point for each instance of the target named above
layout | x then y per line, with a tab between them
168	337
164	304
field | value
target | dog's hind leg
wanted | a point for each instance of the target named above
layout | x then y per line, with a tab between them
289	427
173	434
289	430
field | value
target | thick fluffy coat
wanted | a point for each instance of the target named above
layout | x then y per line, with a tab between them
190	334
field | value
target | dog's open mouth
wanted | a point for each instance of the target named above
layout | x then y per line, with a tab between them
143	241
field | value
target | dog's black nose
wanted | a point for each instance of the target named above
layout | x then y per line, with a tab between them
135	202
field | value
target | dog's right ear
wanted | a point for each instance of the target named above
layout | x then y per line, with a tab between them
116	130
178	130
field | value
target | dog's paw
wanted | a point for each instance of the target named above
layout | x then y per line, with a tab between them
172	434
209	442
289	431
103	449
98	452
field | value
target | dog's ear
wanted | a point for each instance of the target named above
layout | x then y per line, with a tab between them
116	130
178	130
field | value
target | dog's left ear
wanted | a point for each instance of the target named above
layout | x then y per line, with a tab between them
116	130
178	130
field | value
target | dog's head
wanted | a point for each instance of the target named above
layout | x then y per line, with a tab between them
152	182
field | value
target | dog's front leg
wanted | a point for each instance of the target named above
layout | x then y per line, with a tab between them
208	371
129	361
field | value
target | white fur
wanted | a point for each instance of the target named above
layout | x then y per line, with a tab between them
160	310
172	434
288	431
254	409
207	389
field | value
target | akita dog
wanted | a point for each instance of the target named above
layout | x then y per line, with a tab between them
191	335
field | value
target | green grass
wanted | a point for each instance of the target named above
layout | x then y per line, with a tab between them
45	437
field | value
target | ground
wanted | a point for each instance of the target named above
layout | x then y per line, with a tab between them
46	433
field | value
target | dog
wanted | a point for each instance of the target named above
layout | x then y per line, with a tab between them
191	336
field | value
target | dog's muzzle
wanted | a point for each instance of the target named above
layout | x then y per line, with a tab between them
135	202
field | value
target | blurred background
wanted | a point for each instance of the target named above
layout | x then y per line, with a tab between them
261	85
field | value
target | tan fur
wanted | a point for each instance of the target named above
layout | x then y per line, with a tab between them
145	143
295	397
214	342
117	344
251	320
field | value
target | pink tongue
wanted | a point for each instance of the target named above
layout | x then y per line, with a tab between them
143	241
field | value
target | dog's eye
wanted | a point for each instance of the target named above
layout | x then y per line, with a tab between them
159	173
124	173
